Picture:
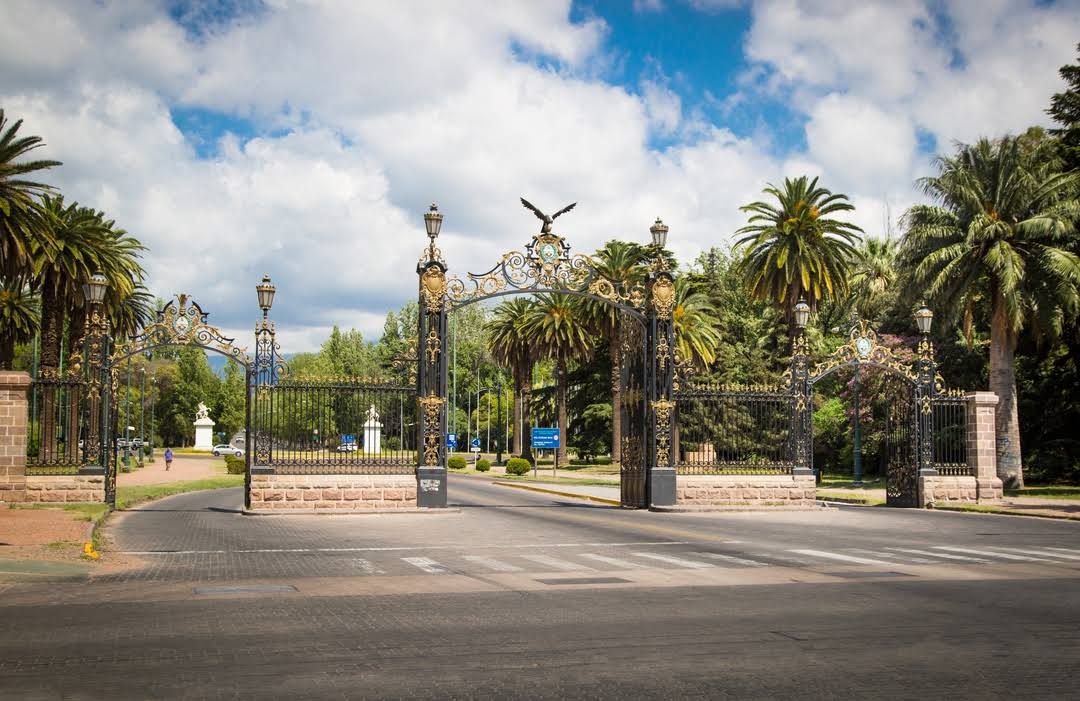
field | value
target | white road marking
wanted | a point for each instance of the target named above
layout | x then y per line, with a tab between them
689	564
492	563
842	558
897	558
366	566
613	561
1044	553
1067	550
942	555
555	563
989	553
426	564
733	560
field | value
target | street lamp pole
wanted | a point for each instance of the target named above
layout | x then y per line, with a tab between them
498	420
127	415
153	405
857	431
142	415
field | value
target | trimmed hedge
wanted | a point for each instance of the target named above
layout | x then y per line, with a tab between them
234	465
456	462
517	466
483	465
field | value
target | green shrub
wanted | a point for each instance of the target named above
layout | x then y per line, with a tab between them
392	443
235	465
517	466
483	465
457	462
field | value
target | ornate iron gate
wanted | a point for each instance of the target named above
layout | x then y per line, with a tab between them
633	377
901	447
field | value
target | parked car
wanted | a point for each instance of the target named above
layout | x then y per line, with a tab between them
347	448
226	449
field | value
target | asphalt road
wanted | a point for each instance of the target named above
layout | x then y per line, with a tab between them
521	595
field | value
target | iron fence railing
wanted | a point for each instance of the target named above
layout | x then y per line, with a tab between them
724	429
56	426
336	427
948	428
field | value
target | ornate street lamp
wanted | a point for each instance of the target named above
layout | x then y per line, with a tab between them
924	317
266	291
802	314
433	222
94	289
659	232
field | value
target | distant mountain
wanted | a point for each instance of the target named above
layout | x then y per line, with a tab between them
217	362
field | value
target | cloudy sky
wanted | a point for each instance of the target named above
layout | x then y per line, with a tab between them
306	139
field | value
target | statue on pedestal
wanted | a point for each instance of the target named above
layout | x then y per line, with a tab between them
372	433
204	428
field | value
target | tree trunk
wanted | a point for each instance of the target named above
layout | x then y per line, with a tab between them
52	321
518	411
616	398
561	399
7	352
1003	383
526	412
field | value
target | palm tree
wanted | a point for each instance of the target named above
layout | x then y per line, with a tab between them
510	348
20	224
795	248
19	319
1001	233
556	327
697	332
622	264
873	276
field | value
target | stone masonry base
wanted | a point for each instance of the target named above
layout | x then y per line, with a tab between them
745	490
65	488
957	489
332	493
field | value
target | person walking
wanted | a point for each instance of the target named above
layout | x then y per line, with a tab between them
168	459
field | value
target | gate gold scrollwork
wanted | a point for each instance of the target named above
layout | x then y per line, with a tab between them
433	287
863	347
663	297
663	409
182	322
432	410
663	353
433	346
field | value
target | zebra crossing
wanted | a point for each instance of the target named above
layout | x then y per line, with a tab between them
567	560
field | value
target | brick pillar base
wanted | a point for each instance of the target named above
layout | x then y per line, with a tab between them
982	444
13	388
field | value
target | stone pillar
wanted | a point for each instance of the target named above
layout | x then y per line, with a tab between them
13	388
204	434
982	444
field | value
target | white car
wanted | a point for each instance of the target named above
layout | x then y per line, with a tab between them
226	449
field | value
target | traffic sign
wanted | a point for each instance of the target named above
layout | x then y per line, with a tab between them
451	441
545	437
474	445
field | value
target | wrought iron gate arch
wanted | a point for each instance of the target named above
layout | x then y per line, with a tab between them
180	323
547	266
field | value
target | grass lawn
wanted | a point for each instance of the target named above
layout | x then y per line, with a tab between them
541	479
126	497
89	512
848	497
1060	491
845	482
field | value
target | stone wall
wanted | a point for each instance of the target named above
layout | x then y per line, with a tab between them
13	387
64	488
940	488
332	493
982	444
745	490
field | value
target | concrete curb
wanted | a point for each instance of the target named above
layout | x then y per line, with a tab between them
587	497
348	512
734	508
1004	512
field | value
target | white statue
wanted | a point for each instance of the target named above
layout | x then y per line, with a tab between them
203	412
204	429
372	433
372	415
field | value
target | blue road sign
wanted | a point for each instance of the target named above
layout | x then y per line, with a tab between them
474	445
348	439
451	441
545	437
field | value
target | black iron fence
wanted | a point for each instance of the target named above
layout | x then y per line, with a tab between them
56	427
336	427
734	429
948	428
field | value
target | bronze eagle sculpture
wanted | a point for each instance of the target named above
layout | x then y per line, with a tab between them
546	228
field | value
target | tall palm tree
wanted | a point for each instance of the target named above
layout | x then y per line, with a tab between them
697	332
510	348
21	233
873	276
556	327
19	319
1001	232
795	248
622	264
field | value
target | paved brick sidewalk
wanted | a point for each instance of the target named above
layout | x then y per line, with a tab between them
184	467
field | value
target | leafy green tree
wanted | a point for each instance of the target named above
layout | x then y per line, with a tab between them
1001	232
795	248
228	410
19	319
511	349
1065	109
696	332
873	277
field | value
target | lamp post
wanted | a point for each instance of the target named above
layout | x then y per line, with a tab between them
127	415
142	415
263	374
153	405
800	352
95	352
927	373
